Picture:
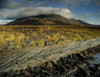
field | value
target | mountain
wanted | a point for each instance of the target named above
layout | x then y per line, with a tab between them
82	22
46	19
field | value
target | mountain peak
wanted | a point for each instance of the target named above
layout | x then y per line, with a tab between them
45	19
47	15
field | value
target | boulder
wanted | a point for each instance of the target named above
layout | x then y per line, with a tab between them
1	49
47	43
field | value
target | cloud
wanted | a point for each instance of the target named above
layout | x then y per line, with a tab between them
97	2
31	11
2	22
68	1
12	4
98	15
85	16
3	3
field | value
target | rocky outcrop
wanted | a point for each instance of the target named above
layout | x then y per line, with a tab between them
70	66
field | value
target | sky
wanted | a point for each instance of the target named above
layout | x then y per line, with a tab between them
86	10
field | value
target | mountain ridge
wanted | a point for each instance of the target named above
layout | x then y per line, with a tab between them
47	19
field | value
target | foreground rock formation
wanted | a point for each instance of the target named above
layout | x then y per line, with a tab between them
74	65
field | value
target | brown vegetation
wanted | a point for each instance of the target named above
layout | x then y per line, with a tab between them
30	36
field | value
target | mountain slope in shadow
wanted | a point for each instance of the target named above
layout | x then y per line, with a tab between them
46	19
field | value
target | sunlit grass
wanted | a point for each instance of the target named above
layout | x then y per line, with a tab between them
30	36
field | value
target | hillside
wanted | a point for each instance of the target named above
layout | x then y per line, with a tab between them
53	50
46	19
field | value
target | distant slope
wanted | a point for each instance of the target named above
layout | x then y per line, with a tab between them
46	19
82	22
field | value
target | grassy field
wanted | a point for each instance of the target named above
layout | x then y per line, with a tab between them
37	44
12	37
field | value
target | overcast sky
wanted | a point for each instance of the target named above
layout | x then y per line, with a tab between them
87	10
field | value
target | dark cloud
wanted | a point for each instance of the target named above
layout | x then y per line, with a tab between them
7	4
97	2
35	3
98	15
13	4
3	3
70	1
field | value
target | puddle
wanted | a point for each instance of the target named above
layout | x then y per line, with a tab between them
97	60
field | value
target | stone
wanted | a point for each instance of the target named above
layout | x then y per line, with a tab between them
47	43
1	49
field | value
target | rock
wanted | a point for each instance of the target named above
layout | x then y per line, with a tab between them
81	73
62	70
44	73
97	65
80	57
1	49
29	69
68	57
27	41
55	68
74	57
60	61
12	47
47	43
49	65
63	67
93	69
30	44
36	70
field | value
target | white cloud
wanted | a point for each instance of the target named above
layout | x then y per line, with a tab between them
85	16
31	11
2	22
